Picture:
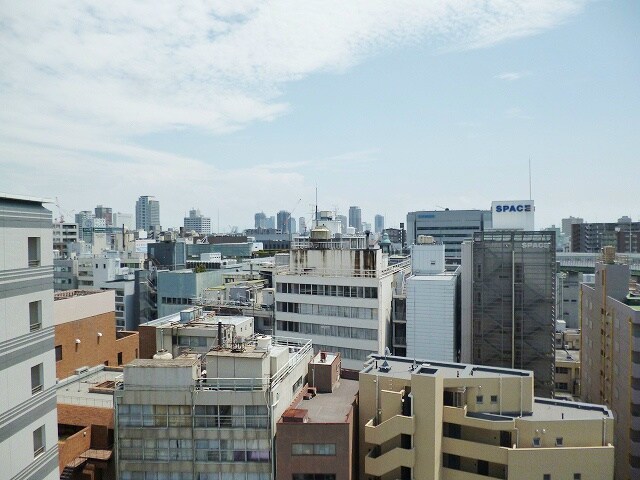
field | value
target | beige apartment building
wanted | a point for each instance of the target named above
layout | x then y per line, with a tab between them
451	421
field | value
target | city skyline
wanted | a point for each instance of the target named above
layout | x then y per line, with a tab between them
261	105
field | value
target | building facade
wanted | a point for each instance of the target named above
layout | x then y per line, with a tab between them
209	418
379	223
198	222
28	420
355	218
64	233
283	221
592	237
338	293
147	213
508	302
610	326
435	420
450	227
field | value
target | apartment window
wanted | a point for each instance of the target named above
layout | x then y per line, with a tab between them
546	476
577	476
35	315
38	441
325	449
58	353
119	358
33	246
494	398
479	398
559	441
536	441
313	476
36	379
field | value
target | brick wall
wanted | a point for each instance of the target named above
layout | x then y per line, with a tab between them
73	446
82	416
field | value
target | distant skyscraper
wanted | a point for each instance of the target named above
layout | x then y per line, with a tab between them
379	223
343	220
283	217
355	218
82	216
120	219
147	213
302	225
292	225
196	221
260	220
104	212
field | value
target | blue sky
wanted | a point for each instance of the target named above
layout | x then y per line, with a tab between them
392	106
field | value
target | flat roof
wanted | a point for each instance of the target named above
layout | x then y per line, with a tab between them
64	294
567	355
331	407
547	409
208	320
446	276
182	361
25	198
74	390
249	352
402	367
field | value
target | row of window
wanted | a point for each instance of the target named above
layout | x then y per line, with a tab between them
216	416
348	353
313	449
327	290
206	450
126	475
178	301
328	330
328	310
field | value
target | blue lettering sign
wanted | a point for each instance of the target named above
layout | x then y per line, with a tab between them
513	208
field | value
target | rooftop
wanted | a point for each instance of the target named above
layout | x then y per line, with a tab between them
331	407
93	388
61	295
549	410
180	362
25	198
567	355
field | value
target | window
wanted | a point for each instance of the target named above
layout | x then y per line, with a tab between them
35	316
33	246
313	476
494	398
38	441
536	441
326	449
546	476
119	358
479	398
577	476
559	441
58	353
36	379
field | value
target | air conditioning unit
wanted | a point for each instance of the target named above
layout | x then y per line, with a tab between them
81	370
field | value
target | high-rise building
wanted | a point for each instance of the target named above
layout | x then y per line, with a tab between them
451	227
198	222
122	219
337	292
344	222
432	328
302	226
147	213
355	218
610	326
592	237
567	222
379	223
260	220
104	212
283	221
292	225
271	222
210	415
28	421
508	302
82	216
64	233
435	420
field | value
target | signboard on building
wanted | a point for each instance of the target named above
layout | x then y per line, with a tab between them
513	215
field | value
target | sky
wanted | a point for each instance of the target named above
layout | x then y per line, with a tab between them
245	106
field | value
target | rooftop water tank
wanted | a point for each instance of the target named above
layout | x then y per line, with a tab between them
264	343
320	234
425	240
162	355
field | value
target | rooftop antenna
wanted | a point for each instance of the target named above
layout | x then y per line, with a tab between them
530	178
316	204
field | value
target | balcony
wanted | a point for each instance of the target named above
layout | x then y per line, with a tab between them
481	451
378	465
391	428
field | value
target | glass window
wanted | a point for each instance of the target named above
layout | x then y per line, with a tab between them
38	441
35	316
36	379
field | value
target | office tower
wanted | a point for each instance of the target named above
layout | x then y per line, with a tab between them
198	222
104	212
379	223
120	219
355	218
271	222
283	221
63	234
432	314
344	223
292	225
80	217
260	220
592	237
434	420
567	222
337	292
147	213
28	420
610	323
302	226
508	302
451	227
211	415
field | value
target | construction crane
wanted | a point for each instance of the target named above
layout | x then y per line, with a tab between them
61	212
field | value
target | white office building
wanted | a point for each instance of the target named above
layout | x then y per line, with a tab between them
209	417
147	213
338	293
197	222
431	303
28	419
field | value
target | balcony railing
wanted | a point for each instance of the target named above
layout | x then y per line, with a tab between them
37	389
391	428
34	263
378	465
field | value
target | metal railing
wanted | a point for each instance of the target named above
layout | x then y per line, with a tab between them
86	401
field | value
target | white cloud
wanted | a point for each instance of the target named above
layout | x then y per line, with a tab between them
80	80
512	76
